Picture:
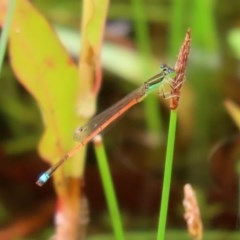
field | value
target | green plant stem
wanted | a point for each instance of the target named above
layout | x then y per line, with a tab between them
108	187
167	176
5	31
143	40
177	26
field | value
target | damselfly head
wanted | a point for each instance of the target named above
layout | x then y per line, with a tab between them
166	69
163	66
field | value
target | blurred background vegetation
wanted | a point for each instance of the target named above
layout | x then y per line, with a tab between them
207	145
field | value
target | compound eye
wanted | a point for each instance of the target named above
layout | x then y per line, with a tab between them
163	66
170	70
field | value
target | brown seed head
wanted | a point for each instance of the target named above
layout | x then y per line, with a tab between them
192	213
180	68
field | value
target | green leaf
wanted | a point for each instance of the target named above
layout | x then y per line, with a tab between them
43	66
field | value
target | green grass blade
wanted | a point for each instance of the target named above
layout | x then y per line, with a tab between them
152	114
108	188
177	26
5	31
167	176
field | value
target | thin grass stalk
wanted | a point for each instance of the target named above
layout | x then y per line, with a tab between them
108	188
167	176
153	117
176	87
5	31
176	27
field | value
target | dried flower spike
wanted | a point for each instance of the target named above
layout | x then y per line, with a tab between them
180	68
192	213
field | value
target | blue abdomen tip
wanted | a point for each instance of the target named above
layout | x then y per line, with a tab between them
42	179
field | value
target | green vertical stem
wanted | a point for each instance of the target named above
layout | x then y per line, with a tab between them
177	28
5	31
204	25
108	187
152	114
167	176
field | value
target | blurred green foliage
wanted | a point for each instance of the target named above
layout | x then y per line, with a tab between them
212	75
